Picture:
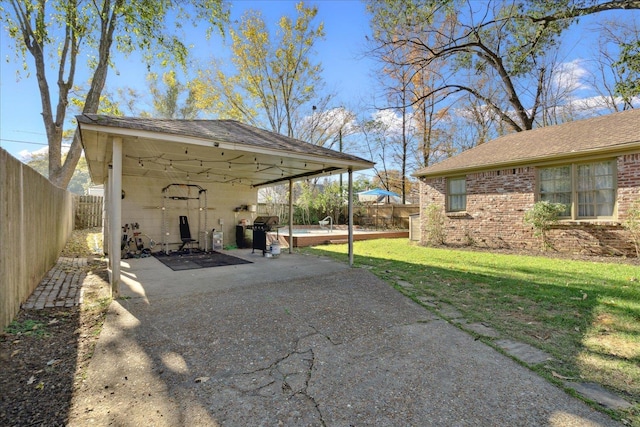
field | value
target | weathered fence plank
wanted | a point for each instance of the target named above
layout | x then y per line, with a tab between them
36	223
88	211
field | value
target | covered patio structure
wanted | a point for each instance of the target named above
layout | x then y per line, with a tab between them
158	170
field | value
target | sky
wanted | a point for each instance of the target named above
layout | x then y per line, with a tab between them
345	71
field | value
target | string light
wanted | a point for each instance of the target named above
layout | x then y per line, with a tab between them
185	166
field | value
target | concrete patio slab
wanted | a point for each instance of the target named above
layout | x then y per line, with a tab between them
299	341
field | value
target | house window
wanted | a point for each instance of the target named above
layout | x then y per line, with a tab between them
587	190
555	186
596	189
456	194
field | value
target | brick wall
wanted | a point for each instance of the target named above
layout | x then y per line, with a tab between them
497	201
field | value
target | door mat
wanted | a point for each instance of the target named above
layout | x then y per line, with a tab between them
186	261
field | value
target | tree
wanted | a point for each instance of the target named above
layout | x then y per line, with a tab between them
570	9
626	69
395	182
407	88
378	134
506	45
169	101
80	181
58	33
275	78
629	64
490	49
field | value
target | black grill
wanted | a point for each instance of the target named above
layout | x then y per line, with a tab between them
262	225
265	223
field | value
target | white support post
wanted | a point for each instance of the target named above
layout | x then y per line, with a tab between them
108	208
290	216
116	216
350	208
105	215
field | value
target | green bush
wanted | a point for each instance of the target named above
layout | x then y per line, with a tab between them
434	225
542	217
632	224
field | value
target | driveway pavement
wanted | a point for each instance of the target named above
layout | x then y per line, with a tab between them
299	340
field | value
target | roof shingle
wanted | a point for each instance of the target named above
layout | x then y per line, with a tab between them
618	130
227	131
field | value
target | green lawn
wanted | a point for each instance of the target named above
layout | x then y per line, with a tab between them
585	314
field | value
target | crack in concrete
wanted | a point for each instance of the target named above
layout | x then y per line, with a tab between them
305	391
317	332
287	370
294	370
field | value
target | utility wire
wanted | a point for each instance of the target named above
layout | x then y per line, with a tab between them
23	142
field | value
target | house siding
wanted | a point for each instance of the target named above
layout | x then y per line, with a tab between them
497	201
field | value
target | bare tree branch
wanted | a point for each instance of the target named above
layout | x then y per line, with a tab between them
571	12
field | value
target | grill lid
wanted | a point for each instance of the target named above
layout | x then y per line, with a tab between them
266	220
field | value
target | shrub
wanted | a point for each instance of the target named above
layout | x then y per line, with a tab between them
542	217
632	224
434	225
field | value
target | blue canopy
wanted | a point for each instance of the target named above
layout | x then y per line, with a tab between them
378	192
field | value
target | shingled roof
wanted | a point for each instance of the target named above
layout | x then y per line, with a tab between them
603	134
222	131
196	149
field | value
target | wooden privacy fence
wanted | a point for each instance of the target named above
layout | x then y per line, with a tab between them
87	211
36	222
373	216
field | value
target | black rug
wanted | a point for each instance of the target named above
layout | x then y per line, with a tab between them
190	261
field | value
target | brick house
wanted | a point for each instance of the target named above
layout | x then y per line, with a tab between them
592	166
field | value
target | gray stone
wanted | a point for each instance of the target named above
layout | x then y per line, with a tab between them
482	329
599	394
524	352
428	302
449	311
405	284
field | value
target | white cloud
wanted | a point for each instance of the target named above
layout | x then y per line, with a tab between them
570	76
26	155
389	119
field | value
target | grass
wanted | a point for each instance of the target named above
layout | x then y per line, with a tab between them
585	314
27	327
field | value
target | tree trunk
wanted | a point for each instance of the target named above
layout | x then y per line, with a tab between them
61	176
